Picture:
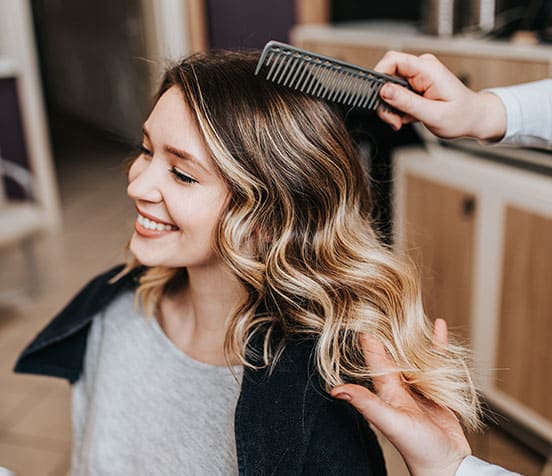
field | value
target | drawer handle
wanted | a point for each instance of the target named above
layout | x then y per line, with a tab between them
468	206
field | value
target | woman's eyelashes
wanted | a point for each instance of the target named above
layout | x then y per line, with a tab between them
144	150
180	176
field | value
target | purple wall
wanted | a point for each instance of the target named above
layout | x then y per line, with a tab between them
248	23
12	139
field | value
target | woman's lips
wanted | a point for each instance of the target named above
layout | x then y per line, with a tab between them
154	219
147	233
150	227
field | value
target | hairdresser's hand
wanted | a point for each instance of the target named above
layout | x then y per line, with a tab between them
443	104
429	437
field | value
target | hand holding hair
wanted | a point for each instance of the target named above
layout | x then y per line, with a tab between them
443	104
429	437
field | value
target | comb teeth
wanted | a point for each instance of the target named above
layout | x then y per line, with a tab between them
323	77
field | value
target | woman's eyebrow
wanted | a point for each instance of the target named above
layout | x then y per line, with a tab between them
181	154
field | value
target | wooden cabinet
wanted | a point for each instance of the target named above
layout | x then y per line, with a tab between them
481	233
525	315
440	239
502	450
356	54
479	63
479	72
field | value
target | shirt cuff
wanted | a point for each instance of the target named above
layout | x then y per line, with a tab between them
514	113
528	113
472	466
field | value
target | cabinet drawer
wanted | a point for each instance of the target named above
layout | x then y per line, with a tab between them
506	292
366	56
525	324
485	72
439	234
498	448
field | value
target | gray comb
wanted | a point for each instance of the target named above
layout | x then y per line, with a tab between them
323	77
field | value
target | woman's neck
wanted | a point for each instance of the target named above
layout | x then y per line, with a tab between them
195	318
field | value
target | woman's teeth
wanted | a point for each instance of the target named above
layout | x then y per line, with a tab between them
152	225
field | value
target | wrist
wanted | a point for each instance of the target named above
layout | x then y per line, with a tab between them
445	470
490	118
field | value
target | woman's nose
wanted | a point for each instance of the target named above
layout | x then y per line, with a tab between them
143	184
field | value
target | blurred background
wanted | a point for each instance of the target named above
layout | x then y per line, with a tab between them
76	82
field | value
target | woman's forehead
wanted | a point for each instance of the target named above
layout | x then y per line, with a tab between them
173	124
171	115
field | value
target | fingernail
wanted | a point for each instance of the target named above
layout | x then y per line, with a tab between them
388	91
343	396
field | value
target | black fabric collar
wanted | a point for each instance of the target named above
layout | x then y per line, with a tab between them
58	349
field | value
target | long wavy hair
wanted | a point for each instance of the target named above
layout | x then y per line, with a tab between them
297	234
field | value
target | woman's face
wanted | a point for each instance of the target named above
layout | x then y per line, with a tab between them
178	194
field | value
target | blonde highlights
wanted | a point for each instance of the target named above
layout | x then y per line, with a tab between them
298	236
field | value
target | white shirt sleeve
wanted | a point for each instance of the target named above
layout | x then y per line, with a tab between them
528	114
472	466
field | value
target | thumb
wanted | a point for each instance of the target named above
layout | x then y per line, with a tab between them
367	403
407	101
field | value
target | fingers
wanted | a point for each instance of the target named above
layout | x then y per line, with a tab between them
369	405
436	88
393	119
379	361
399	64
408	102
396	121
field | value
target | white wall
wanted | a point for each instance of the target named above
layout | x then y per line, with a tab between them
170	17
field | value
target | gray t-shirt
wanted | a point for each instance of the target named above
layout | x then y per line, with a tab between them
143	407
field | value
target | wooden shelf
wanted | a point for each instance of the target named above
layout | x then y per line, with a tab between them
481	63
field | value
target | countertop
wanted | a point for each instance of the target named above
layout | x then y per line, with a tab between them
532	160
400	36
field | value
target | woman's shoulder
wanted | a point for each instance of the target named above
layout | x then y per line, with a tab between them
343	442
58	349
317	434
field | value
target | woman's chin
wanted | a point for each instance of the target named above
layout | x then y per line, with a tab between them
144	261
144	254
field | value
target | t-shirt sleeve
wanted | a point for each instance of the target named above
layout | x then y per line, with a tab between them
472	466
528	114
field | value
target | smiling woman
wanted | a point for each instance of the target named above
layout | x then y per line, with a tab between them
257	267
